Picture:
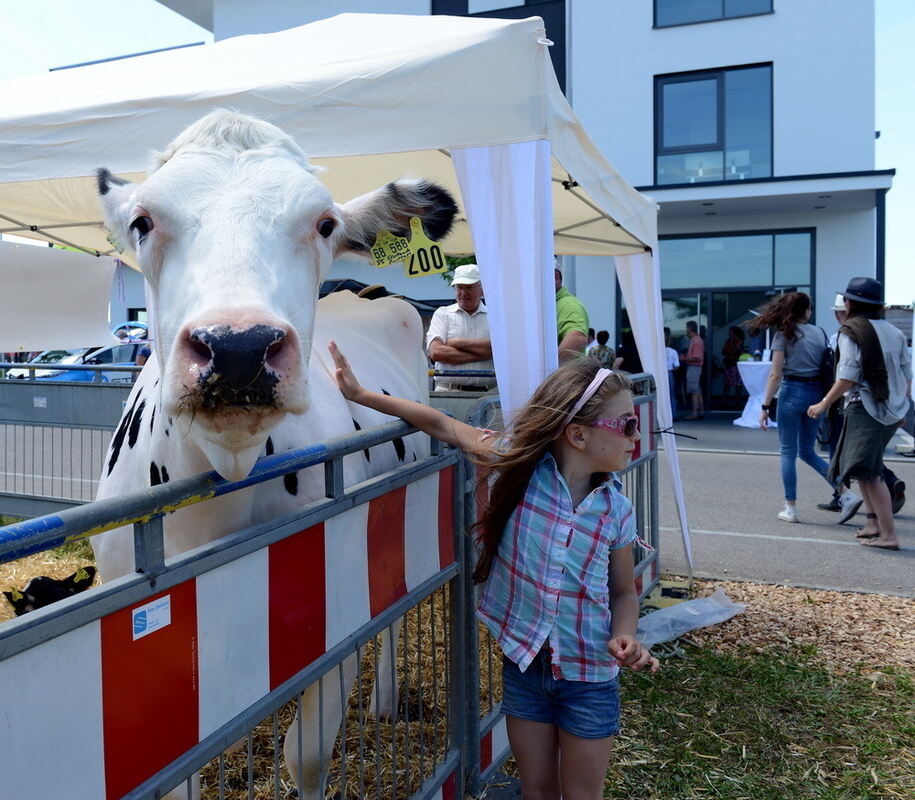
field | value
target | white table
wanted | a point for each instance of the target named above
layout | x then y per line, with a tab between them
754	375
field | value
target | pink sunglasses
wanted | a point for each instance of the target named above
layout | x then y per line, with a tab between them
624	426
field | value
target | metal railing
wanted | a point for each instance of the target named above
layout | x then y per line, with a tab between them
446	736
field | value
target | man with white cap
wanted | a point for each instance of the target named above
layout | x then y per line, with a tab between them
458	336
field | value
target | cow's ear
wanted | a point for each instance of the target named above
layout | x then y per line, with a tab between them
390	208
116	195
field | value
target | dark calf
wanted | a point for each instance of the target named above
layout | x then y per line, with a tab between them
43	591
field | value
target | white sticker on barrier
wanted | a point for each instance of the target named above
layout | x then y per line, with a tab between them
40	402
151	617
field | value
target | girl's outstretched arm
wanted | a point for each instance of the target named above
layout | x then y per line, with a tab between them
624	606
427	419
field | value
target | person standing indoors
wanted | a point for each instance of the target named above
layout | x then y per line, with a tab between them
458	335
797	354
571	321
694	360
874	374
555	531
602	351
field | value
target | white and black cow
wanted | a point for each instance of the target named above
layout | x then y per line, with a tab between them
234	234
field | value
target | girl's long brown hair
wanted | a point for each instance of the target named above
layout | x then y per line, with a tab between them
533	431
784	313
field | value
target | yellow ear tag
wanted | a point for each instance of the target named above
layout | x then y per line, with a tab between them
16	595
389	249
426	256
81	575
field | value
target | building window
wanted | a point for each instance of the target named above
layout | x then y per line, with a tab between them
713	126
686	12
759	260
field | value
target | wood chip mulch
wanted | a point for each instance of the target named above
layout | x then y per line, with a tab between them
848	630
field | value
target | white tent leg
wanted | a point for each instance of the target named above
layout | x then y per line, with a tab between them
507	196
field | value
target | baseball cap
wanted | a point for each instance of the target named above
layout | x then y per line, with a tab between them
465	274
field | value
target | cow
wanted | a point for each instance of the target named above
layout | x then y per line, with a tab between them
234	234
42	591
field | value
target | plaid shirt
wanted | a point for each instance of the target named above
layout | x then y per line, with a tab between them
549	579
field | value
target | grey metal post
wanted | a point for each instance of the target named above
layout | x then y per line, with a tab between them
149	546
471	637
460	686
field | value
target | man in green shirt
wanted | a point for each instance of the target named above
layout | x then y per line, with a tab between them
571	322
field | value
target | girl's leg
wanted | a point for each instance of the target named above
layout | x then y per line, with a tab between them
788	421
877	499
583	766
807	445
535	746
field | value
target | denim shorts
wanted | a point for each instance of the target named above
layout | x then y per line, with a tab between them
584	709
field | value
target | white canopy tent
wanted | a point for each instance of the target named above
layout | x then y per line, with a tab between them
471	103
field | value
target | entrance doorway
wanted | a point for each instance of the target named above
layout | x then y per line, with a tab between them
716	312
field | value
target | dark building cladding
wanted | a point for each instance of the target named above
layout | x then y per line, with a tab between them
553	13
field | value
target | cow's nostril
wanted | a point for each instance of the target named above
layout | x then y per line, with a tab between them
200	351
276	348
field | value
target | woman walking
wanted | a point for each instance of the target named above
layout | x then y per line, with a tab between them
874	373
797	353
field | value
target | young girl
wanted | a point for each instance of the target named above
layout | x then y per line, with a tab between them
555	529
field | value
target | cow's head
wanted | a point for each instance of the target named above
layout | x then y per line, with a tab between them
234	234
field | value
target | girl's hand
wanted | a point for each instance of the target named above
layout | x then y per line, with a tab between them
629	652
346	380
764	420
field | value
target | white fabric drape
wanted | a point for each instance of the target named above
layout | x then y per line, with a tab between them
53	298
507	197
640	281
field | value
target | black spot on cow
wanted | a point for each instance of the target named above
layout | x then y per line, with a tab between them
42	591
165	478
291	482
133	432
117	441
155	476
268	449
152	419
368	456
106	180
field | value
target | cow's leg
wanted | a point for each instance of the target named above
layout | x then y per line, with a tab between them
385	697
310	738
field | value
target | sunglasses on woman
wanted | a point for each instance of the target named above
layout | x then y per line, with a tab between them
623	426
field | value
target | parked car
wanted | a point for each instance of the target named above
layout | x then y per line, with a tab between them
122	354
48	357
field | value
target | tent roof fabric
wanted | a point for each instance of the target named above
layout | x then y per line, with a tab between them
369	97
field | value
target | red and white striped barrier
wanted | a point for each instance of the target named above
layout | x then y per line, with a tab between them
95	712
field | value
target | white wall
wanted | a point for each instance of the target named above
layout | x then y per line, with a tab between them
240	17
823	85
126	292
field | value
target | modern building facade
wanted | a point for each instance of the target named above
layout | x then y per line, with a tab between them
751	122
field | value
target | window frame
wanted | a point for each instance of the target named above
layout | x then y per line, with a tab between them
696	75
722	18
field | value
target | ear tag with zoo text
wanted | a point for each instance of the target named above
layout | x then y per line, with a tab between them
389	249
81	575
426	256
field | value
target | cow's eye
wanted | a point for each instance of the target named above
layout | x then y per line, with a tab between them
141	226
326	227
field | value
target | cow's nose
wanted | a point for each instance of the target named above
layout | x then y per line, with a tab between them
238	367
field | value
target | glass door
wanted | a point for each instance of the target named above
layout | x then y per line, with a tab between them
680	308
730	340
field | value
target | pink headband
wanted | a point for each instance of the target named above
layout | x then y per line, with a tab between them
588	393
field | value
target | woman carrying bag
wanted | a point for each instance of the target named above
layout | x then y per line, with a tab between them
797	357
874	373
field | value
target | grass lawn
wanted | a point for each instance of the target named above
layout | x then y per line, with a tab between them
776	724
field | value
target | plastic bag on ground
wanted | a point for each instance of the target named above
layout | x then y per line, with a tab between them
668	623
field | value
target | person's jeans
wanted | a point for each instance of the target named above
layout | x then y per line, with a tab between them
797	433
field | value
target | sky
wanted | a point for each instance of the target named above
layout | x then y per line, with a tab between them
36	35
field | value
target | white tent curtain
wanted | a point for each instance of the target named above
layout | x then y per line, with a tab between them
506	194
640	281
